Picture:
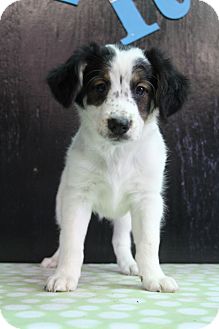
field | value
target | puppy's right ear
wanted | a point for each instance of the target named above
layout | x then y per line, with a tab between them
65	81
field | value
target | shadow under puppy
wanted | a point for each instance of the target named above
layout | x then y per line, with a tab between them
115	163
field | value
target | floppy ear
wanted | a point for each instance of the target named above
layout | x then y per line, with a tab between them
64	81
171	86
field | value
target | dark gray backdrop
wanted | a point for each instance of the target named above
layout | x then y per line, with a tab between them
35	131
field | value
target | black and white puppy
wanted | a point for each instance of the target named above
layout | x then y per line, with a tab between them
115	163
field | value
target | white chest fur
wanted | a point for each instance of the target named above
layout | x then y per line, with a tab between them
111	176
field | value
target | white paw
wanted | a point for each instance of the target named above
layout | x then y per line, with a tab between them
163	284
58	282
128	267
49	262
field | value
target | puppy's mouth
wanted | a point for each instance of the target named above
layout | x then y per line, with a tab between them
117	138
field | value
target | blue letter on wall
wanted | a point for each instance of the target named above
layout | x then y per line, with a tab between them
71	2
172	8
132	21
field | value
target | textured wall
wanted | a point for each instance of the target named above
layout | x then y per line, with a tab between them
35	131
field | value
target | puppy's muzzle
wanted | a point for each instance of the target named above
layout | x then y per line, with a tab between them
119	126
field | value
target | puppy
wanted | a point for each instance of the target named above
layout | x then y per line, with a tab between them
115	163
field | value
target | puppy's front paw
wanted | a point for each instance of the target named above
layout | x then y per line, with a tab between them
163	284
58	282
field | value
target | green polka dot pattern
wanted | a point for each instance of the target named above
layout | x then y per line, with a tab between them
107	299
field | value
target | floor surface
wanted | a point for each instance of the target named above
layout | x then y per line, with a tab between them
106	299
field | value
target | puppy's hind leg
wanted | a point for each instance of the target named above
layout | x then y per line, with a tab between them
51	262
122	245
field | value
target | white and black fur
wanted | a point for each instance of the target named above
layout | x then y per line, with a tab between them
115	163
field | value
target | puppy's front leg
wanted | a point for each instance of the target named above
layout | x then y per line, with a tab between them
76	214
146	218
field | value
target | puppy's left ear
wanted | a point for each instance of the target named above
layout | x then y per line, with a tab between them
170	85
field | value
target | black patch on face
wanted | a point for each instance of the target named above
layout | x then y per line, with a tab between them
96	80
142	87
64	81
120	80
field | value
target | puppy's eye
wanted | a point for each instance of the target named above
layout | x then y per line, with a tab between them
100	88
141	90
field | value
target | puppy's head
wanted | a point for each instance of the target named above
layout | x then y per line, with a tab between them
117	89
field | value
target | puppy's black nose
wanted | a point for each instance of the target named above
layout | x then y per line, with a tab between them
119	126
